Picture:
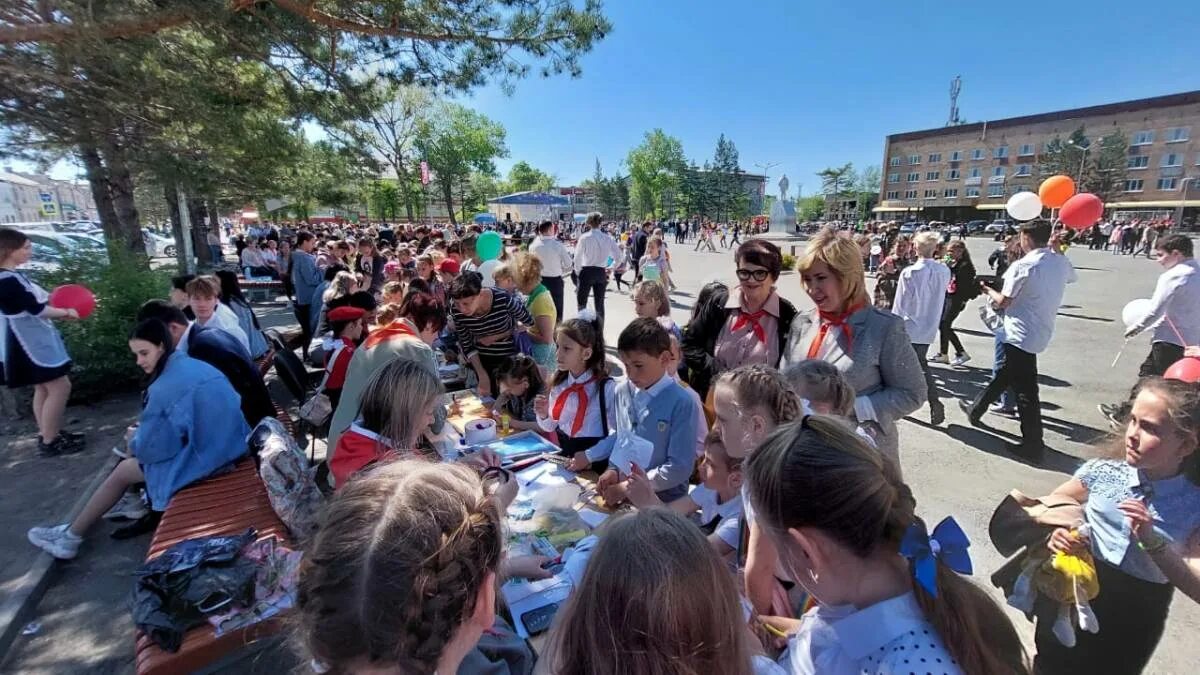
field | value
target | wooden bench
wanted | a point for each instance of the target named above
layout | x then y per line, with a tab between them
225	504
260	290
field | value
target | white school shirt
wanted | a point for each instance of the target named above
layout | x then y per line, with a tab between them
592	427
920	295
594	248
1036	284
888	637
730	513
1176	297
226	320
556	259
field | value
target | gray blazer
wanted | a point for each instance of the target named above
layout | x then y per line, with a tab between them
881	366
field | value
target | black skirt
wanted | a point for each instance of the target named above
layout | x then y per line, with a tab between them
1132	614
18	370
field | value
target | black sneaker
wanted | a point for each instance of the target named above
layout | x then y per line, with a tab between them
971	416
1112	413
937	415
59	446
72	436
1035	454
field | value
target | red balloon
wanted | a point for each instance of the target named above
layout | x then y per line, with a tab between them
76	297
1186	369
1081	211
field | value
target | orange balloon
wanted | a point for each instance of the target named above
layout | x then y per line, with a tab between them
1056	190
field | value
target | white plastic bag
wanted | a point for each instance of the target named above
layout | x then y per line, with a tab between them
629	448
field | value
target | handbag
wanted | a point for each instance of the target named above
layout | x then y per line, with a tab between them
317	409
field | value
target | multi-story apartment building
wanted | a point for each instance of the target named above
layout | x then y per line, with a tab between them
969	171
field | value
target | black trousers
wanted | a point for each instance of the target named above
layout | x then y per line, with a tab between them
930	386
1162	356
591	279
950	312
555	286
1128	607
1018	371
304	315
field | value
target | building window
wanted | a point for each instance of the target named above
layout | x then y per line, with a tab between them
1177	134
952	174
995	190
1143	138
1026	150
893	178
972	192
1000	152
910	194
931	194
956	156
895	161
1134	185
1172	159
976	172
998	171
893	194
977	154
1169	184
935	157
933	175
1023	170
914	177
950	193
1138	162
914	159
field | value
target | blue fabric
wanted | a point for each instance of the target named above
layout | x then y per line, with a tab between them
305	275
668	420
948	544
191	426
245	315
1174	503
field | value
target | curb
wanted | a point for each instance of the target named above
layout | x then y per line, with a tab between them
16	609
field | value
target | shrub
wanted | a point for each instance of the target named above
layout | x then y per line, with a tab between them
99	345
789	262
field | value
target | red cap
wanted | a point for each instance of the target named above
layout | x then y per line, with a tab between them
346	313
448	265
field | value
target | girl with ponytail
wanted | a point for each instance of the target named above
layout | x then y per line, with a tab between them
844	525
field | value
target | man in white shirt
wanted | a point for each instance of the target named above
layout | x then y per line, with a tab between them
556	262
595	252
920	294
1174	315
1030	298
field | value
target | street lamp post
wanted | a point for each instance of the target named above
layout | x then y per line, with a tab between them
1082	160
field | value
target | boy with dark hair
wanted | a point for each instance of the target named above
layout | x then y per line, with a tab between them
660	410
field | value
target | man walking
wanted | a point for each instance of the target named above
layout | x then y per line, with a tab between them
638	242
556	261
920	295
593	250
1031	294
1174	315
305	278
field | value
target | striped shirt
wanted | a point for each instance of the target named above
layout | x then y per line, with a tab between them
501	319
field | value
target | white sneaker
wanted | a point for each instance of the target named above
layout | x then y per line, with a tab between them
939	358
57	541
961	359
131	507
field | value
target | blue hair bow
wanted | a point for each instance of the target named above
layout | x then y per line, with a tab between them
948	544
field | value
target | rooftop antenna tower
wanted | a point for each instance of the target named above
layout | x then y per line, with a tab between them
955	89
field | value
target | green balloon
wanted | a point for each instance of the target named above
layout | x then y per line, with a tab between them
489	245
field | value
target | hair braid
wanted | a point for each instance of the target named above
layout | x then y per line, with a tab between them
759	386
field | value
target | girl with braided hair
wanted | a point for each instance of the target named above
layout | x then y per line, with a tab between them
402	576
843	522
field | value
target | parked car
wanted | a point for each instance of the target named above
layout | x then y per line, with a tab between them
975	226
997	226
158	246
912	226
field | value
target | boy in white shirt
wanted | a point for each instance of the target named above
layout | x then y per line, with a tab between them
920	295
718	499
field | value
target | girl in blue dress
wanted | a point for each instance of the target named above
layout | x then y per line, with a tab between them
32	353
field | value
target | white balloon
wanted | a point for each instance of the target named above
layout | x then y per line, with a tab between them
1024	206
1135	311
486	270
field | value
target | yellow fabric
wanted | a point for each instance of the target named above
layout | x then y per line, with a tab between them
542	305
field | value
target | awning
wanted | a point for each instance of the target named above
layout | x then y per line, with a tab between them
894	209
485	218
990	207
1159	204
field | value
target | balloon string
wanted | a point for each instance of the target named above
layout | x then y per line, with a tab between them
1177	333
1118	356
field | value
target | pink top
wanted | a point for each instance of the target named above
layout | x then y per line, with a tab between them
744	344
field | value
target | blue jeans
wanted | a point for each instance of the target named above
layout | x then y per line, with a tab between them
1006	397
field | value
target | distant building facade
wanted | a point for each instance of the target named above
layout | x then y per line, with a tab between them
969	171
31	197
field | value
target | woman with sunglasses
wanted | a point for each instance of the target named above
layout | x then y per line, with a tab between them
746	326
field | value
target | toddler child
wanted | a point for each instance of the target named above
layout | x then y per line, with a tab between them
520	383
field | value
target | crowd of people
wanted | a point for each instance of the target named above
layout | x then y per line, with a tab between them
774	482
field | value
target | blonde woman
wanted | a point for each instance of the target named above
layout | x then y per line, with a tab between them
527	274
869	345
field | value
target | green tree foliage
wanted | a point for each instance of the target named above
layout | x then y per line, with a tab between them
835	180
1097	166
523	178
383	198
810	208
457	142
729	196
655	167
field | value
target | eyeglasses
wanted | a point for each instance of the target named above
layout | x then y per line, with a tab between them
759	275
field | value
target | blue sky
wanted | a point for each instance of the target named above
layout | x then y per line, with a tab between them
809	84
